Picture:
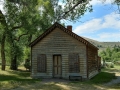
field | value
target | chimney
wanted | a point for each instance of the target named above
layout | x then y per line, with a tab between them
69	27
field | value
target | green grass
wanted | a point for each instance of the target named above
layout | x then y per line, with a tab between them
102	77
21	79
106	75
12	79
117	67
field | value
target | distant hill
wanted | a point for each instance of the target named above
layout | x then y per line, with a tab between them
102	45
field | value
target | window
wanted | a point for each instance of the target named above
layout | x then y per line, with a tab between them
41	63
74	63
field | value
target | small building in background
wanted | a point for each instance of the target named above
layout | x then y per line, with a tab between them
60	53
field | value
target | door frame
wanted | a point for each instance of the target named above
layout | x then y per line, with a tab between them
53	65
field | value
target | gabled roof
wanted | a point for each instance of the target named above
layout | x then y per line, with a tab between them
57	25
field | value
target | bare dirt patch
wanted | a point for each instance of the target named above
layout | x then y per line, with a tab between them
114	82
59	84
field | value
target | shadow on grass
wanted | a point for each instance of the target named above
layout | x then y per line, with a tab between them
19	73
101	78
16	78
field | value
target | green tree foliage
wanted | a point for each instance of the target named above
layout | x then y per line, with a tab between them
70	9
115	2
111	55
24	20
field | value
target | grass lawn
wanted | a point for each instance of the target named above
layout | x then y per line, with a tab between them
21	80
13	79
102	77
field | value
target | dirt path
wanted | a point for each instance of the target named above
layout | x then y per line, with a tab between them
114	81
55	81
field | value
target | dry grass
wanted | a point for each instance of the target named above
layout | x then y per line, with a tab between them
61	86
19	80
12	79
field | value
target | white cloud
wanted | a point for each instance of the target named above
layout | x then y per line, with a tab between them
1	4
108	21
108	37
95	2
89	26
111	21
100	2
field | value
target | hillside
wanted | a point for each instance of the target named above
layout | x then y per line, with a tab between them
102	45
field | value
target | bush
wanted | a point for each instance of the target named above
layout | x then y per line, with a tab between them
27	64
117	62
112	65
109	64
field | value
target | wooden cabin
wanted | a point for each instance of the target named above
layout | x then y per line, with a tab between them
60	53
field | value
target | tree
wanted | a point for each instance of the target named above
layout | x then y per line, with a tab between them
4	28
24	19
115	2
15	27
106	55
20	25
111	55
72	10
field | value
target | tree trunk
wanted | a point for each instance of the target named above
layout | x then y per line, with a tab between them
3	22
13	63
3	52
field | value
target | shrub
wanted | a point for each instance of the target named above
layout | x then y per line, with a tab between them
112	65
27	64
117	62
109	65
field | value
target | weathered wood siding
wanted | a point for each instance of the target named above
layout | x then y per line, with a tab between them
99	63
58	42
92	63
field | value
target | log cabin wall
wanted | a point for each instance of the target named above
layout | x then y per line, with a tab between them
92	62
58	43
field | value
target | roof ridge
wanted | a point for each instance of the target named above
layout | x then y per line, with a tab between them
56	24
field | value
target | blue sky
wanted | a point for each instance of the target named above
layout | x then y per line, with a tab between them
103	24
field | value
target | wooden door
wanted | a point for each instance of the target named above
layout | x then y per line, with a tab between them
57	66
